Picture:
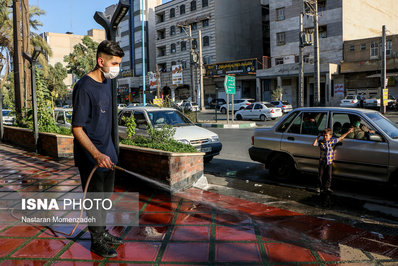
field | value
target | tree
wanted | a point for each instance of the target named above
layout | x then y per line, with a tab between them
55	80
83	58
277	94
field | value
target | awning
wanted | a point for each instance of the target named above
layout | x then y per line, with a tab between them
378	75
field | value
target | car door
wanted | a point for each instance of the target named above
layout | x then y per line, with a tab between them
246	113
257	111
357	156
298	139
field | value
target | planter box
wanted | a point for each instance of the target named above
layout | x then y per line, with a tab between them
54	145
177	170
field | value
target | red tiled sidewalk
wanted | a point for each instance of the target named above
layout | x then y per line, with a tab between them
193	227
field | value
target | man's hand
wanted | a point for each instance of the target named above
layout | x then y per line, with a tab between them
103	161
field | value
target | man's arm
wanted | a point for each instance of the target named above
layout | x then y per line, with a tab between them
101	159
345	134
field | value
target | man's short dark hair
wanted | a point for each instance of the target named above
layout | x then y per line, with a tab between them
110	48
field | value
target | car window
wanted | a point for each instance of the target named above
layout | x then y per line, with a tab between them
6	112
60	117
286	103
350	97
124	116
385	124
342	122
258	106
173	118
249	107
285	123
296	125
269	105
275	103
140	120
313	123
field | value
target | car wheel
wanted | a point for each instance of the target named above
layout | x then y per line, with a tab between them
223	110
239	117
262	117
281	167
207	159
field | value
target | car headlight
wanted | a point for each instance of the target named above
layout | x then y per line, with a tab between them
215	139
184	141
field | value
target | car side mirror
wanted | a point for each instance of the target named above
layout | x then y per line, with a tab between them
375	137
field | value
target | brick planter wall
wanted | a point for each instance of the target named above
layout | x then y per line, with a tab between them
54	145
178	170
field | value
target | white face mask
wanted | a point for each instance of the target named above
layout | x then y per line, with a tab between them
113	72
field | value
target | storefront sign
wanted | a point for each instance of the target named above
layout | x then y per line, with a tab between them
385	97
241	67
176	74
338	89
154	80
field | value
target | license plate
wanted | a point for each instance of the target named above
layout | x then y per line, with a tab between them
207	149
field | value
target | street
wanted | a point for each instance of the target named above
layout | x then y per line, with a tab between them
235	164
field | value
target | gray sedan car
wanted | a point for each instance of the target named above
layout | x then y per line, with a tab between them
370	152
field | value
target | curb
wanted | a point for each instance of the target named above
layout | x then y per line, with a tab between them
246	125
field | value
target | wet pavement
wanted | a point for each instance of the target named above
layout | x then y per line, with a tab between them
195	227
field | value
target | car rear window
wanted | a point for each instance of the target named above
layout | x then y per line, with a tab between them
286	103
269	105
350	97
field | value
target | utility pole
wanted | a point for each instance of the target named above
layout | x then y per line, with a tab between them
301	60
202	94
192	93
383	72
26	49
143	53
317	75
18	67
157	81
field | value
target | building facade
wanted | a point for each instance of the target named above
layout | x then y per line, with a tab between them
339	21
129	36
231	30
62	44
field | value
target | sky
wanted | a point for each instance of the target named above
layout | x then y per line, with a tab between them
71	15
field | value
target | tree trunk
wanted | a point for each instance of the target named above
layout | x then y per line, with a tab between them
18	67
26	49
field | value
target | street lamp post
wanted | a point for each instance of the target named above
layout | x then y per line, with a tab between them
1	108
32	60
110	27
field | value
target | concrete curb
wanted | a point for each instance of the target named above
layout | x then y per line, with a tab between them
245	125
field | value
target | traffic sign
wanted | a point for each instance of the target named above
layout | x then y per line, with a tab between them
229	84
385	97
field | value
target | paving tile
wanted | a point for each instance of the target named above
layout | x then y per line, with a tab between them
8	245
193	218
23	262
137	251
232	219
75	263
156	218
190	233
195	207
146	233
40	248
281	252
80	250
237	252
235	233
21	231
160	207
186	252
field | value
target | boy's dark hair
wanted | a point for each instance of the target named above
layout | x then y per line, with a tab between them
327	131
110	48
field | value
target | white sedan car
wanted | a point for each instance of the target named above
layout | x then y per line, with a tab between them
351	101
259	110
238	105
285	105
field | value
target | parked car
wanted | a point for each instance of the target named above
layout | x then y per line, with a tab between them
260	111
190	106
287	146
186	132
284	105
63	117
216	103
238	105
121	106
351	101
372	102
8	117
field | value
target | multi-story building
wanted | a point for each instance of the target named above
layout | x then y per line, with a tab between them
231	30
62	44
129	36
339	21
362	65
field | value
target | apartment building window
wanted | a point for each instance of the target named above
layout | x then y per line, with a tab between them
363	46
280	13
173	48
205	3
162	67
323	31
172	13
279	61
183	45
206	41
172	30
205	23
280	38
352	48
173	63
160	18
321	5
161	51
193	5
194	26
374	49
161	34
206	60
194	44
181	29
389	48
182	9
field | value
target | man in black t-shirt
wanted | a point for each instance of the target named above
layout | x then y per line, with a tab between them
93	145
